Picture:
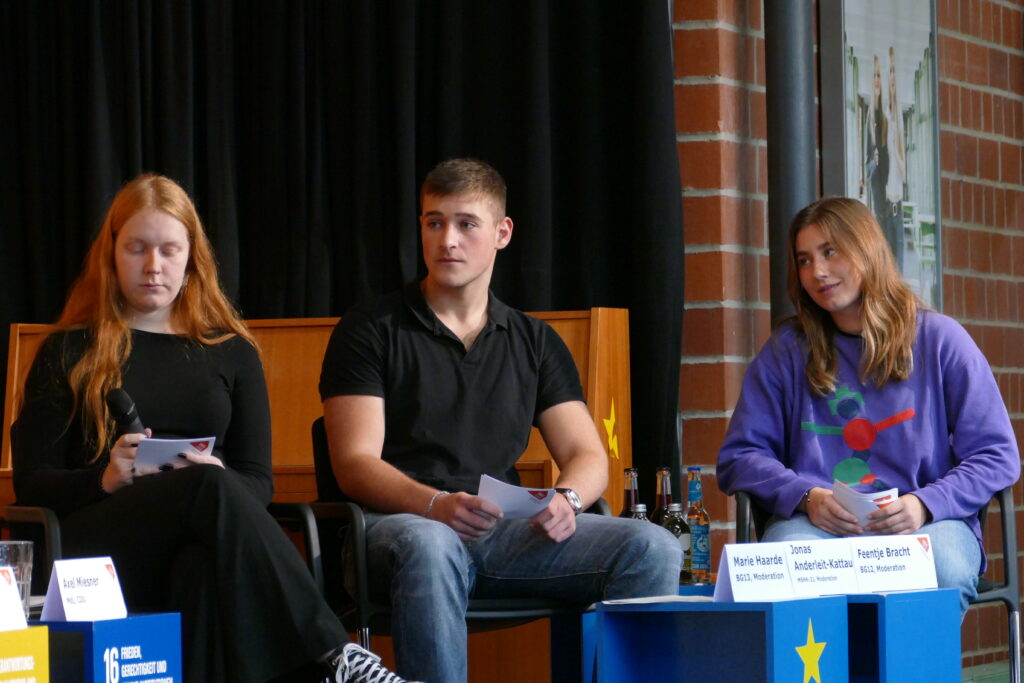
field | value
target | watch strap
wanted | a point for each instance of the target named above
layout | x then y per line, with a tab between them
573	498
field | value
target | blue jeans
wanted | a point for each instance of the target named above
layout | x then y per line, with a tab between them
956	550
429	574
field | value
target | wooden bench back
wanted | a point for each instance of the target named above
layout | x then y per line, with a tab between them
292	351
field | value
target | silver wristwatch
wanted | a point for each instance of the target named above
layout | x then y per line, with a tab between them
574	500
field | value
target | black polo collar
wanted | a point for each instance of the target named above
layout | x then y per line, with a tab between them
497	312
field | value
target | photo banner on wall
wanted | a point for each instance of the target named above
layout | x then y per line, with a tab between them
880	125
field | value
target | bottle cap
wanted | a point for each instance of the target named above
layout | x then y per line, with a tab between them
693	467
639	507
675	507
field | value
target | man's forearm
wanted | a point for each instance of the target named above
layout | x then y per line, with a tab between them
586	473
382	487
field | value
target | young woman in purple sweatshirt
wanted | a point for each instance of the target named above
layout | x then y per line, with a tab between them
867	386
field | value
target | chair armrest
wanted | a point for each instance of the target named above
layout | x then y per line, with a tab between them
333	519
47	519
1008	524
744	517
1008	516
301	515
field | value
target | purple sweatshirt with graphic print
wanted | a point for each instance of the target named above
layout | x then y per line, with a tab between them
943	434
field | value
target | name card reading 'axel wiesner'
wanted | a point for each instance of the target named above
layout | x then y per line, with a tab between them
756	572
84	589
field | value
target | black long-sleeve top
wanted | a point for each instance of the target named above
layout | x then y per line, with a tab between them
181	388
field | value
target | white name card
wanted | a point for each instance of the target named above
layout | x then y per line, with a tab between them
884	566
12	612
821	567
86	589
758	572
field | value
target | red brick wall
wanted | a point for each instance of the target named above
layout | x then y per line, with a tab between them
720	124
981	92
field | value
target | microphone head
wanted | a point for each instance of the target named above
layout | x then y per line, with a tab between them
119	403
122	409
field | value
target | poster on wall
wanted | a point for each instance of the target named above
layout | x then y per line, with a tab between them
880	125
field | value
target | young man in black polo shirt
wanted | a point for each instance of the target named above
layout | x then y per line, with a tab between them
428	388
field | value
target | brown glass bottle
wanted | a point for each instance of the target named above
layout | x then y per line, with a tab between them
664	495
631	494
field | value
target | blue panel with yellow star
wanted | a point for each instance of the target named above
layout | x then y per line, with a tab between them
793	640
810	641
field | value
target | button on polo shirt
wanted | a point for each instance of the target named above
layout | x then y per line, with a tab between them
450	414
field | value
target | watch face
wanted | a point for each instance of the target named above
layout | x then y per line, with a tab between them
573	498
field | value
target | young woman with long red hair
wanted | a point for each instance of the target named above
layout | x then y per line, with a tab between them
148	315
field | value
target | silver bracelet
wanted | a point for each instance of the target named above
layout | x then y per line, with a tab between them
430	505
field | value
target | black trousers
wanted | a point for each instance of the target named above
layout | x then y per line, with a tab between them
195	541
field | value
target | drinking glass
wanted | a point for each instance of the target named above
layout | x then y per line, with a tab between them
18	556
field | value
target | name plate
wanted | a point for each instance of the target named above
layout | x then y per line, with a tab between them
85	589
750	572
12	611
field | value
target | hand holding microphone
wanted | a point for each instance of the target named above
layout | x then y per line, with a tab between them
121	470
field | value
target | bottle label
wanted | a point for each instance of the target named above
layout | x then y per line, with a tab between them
695	491
701	552
684	542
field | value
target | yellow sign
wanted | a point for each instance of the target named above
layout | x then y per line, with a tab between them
25	655
613	439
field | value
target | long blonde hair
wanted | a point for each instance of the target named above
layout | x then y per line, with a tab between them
201	310
888	306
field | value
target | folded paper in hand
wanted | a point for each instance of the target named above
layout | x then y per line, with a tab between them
862	504
162	451
515	501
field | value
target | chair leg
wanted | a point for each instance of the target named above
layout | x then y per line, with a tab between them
363	636
1014	619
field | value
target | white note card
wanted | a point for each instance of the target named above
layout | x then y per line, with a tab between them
862	504
515	501
159	452
12	612
85	589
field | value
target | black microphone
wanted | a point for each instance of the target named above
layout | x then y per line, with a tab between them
122	409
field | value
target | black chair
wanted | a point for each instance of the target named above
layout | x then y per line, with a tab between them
750	517
1008	591
343	544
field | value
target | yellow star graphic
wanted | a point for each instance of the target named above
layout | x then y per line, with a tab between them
811	654
613	440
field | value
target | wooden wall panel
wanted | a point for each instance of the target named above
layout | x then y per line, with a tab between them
292	351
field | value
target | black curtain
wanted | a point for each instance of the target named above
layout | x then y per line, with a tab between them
303	130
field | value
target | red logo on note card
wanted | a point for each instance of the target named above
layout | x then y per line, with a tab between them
923	540
539	495
882	501
110	568
7	575
200	446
